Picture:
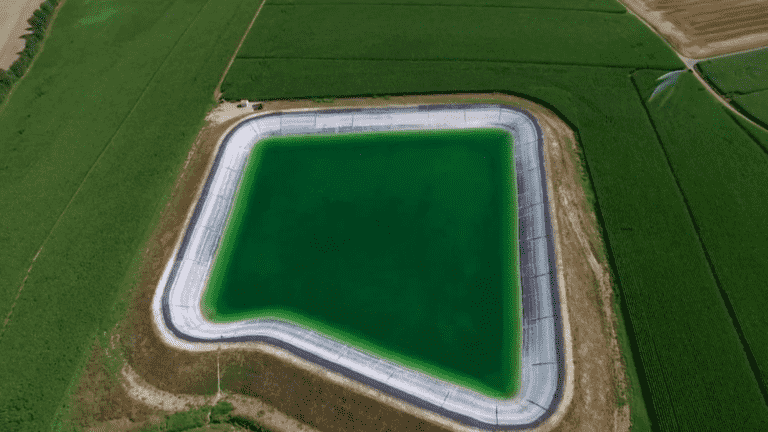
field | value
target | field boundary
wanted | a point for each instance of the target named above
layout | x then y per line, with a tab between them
217	91
533	405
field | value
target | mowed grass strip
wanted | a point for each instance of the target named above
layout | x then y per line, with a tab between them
591	5
386	32
693	366
738	73
75	279
756	104
723	174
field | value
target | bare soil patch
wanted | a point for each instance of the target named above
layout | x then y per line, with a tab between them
706	28
13	24
284	392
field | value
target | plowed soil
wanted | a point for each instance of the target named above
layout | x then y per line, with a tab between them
706	28
287	393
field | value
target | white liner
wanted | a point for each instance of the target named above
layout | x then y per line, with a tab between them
176	306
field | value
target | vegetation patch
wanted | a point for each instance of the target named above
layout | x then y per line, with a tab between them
204	419
739	73
755	105
101	11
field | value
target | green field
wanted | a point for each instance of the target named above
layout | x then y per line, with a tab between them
401	243
408	33
755	104
588	5
90	145
723	174
758	135
738	73
743	78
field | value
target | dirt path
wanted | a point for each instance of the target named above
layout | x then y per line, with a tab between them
13	24
308	395
217	92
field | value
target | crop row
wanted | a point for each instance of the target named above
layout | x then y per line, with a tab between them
591	5
152	116
693	361
723	175
386	32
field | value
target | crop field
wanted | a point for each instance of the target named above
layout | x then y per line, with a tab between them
744	79
755	105
87	153
406	33
586	5
739	73
723	176
90	146
758	135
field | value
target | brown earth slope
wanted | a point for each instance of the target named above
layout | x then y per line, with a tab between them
133	377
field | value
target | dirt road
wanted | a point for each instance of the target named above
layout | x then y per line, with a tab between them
13	24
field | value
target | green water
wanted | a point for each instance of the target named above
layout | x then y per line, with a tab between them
402	243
